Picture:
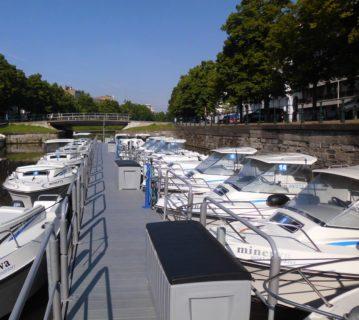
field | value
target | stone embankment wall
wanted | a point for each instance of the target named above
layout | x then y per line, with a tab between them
333	144
30	138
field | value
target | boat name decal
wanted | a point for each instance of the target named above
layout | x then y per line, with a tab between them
6	266
56	182
260	254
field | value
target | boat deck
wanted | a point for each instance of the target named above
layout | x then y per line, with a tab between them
109	278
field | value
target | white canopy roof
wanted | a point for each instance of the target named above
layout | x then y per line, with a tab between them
39	167
59	141
238	150
177	140
285	158
348	172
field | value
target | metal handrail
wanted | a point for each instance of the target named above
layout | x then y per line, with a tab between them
87	116
190	193
58	274
275	261
304	307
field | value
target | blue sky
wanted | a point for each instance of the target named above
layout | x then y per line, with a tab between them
132	49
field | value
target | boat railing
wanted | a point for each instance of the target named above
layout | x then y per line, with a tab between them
58	249
307	308
275	260
172	177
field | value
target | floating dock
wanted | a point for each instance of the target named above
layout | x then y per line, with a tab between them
109	277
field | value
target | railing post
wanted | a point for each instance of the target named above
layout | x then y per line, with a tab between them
190	203
342	113
203	216
64	258
321	115
75	236
273	285
221	235
78	200
52	253
165	197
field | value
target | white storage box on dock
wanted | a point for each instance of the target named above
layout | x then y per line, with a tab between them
129	175
192	276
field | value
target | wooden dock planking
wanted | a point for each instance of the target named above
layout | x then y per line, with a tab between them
109	276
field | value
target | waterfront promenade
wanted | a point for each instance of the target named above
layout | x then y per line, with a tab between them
109	279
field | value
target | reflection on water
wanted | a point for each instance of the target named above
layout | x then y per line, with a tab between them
15	156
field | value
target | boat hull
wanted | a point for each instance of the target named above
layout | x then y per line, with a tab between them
28	198
10	287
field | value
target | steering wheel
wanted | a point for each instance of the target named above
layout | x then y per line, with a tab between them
340	202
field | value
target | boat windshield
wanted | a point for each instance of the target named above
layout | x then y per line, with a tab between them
330	199
169	147
149	143
278	178
221	163
251	169
155	145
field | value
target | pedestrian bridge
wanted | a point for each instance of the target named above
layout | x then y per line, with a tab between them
64	121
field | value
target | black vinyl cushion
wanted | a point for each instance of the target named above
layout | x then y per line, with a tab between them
189	253
127	163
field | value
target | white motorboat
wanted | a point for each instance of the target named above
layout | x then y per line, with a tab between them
63	158
216	168
247	192
21	231
27	183
219	166
81	147
53	144
320	225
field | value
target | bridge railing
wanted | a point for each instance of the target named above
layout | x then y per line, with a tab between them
87	116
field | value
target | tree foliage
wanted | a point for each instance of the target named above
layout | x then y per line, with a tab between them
246	65
196	94
273	44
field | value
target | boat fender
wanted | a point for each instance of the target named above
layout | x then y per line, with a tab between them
277	200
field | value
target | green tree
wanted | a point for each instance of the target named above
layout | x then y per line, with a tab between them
246	71
38	95
196	93
85	103
137	111
316	40
12	85
108	106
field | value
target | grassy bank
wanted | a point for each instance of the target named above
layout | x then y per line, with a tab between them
152	128
96	128
22	128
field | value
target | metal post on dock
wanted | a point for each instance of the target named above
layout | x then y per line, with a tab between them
52	253
273	284
165	196
190	203
221	235
75	238
78	210
64	257
203	215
